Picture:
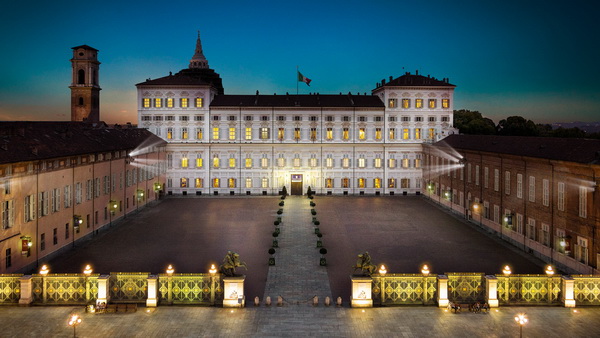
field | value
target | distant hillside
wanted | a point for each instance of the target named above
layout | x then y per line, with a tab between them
588	127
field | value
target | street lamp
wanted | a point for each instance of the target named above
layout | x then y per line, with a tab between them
521	319
212	271
382	270
549	270
425	272
506	271
170	270
74	320
87	272
44	272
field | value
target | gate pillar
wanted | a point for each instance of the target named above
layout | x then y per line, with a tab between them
361	292
442	290
491	286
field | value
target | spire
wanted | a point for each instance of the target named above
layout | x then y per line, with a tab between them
198	60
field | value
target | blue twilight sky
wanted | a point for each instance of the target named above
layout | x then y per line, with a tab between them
537	59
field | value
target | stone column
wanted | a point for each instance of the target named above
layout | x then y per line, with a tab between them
442	291
152	300
26	290
233	291
491	285
103	289
361	292
568	291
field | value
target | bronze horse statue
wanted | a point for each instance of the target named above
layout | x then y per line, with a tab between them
230	262
364	264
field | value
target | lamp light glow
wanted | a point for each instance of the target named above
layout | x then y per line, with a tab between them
170	270
88	270
506	271
425	270
213	269
44	271
382	270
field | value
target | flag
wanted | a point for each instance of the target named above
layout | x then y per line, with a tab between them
302	78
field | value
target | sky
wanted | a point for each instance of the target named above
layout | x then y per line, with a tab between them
536	59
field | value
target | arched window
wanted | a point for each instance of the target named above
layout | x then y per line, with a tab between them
81	76
81	101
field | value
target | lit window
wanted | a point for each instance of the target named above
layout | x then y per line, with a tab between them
296	134
419	103
216	161
297	161
361	182
391	182
146	103
345	134
392	103
329	183
184	162
392	163
264	162
345	162
199	133
362	134
249	133
248	162
345	182
405	183
169	133
361	162
281	161
231	183
418	161
431	135
199	162
405	134
405	162
392	133
329	161
432	103
377	183
184	133
417	133
264	182
215	133
329	134
445	103
248	182
264	133
280	134
405	103
216	183
183	182
184	102
232	162
377	162
313	134
199	102
232	133
158	103
378	133
170	102
313	161
198	183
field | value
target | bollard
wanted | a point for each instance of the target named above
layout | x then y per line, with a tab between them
256	301
338	302
279	301
315	300
268	301
327	301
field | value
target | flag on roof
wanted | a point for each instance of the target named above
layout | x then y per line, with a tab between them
302	78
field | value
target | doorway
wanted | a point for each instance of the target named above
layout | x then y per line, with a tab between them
296	184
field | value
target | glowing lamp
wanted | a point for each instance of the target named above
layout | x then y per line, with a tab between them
44	271
382	270
521	319
88	270
74	320
506	271
213	269
170	270
549	270
425	270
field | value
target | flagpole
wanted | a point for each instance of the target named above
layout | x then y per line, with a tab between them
297	71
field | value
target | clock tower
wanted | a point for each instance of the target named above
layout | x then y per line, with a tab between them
85	88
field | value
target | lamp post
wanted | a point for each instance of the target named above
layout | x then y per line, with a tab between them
382	272
212	271
44	271
506	272
521	319
549	272
425	272
170	272
74	320
87	272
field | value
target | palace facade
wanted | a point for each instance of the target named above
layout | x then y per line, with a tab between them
343	144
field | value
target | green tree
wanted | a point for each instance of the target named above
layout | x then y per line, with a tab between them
472	122
517	126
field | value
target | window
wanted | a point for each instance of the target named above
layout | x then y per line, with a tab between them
329	118
345	162
8	214
184	162
313	134
328	183
545	234
169	133
362	183
329	134
519	186
346	118
248	182
418	118
215	118
67	231
184	102
378	118
183	182
264	161
216	183
445	119
486	177
248	135
432	103
582	202
198	183
405	103
198	118
392	118
468	172
377	183
545	192
362	119
361	161
281	161
392	162
313	161
313	118
445	103
419	103
405	134
184	118
345	183
184	133
281	118
431	134
264	133
199	134
169	118
329	161
231	118
405	161
296	134
264	182
231	133
199	161
393	103
248	162
507	182
477	175
43	242
215	133
531	228
519	224
496	180
264	118
216	161
169	102
378	133
248	118
232	162
405	183
345	134
8	258
417	133
158	103
231	183
362	134
392	133
297	162
531	189
78	193
561	196
297	118
158	118
391	183
431	118
377	162
55	236
146	102
199	102
280	134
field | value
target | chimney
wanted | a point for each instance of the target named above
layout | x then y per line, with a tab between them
417	72
383	82
391	78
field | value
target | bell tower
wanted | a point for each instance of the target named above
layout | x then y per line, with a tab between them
85	88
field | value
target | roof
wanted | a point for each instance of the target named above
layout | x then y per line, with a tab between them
418	80
189	77
84	47
32	141
288	100
577	150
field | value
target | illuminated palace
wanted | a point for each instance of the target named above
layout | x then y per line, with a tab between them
255	144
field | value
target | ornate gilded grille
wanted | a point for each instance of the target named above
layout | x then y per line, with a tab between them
10	288
466	287
129	287
64	289
586	289
529	290
190	288
404	289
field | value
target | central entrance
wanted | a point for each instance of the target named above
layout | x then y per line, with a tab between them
296	184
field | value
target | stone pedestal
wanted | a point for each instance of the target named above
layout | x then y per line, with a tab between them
152	300
103	289
491	285
442	291
568	294
233	291
26	291
361	292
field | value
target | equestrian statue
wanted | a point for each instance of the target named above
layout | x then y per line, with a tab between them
364	264
230	262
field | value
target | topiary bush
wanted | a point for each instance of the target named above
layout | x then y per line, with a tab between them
276	223
281	203
317	223
280	211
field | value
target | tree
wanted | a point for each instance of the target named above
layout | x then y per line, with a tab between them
517	126
472	122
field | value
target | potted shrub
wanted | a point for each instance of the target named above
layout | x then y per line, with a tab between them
312	204
279	219
275	242
312	211
281	203
319	241
323	261
280	211
276	223
317	223
277	230
271	259
317	231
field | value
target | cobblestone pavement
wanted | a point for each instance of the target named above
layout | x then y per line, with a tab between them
296	275
300	320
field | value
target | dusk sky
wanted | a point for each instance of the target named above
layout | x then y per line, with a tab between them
537	59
